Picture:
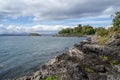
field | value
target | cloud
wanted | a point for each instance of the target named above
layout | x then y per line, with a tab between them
56	9
12	29
52	15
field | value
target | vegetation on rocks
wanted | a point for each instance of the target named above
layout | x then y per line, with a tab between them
105	58
101	33
113	62
52	78
87	60
89	70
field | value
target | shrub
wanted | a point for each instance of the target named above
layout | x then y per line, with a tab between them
102	40
105	58
52	78
88	69
114	62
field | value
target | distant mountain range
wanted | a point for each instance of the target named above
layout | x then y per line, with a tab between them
13	34
24	34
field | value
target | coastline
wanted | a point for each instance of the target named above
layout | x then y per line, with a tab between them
86	61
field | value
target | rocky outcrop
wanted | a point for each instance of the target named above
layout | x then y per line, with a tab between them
86	61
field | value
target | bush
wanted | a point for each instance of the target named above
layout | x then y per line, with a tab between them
88	69
79	30
115	63
105	58
102	40
101	32
52	78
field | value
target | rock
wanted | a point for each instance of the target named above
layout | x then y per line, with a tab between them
86	61
100	68
94	76
113	41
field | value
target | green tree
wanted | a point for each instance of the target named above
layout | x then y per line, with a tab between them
77	29
101	31
116	20
65	31
88	30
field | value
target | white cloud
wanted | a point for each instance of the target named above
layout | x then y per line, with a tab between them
52	10
56	9
109	10
36	28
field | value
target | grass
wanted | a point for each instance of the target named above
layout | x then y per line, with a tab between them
52	78
88	69
102	40
115	63
105	58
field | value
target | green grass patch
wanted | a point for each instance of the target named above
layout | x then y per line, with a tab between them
102	40
52	78
115	62
105	58
88	69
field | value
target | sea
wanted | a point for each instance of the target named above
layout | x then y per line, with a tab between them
23	55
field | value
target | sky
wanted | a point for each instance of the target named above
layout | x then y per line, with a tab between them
50	16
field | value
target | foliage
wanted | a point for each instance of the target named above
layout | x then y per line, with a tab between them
81	30
67	30
52	78
116	20
88	30
77	29
101	31
105	58
102	40
34	34
115	62
88	69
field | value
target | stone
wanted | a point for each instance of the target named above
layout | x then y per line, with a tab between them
83	62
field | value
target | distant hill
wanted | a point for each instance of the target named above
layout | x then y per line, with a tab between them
13	34
34	34
27	34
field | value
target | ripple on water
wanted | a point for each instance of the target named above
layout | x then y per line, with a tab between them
23	55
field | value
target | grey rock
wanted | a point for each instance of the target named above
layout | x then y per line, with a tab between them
83	62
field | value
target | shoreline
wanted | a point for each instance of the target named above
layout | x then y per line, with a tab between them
86	60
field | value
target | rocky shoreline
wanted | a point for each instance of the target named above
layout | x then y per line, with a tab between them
86	61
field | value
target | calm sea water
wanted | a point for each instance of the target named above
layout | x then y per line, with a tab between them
22	55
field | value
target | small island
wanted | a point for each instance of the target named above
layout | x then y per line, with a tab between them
96	58
34	34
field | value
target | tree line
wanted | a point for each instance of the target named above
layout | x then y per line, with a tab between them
81	30
89	30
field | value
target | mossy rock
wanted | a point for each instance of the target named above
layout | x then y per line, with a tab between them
102	40
105	58
113	62
52	78
89	69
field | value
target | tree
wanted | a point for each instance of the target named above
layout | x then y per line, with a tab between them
101	31
77	29
88	30
116	20
67	30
